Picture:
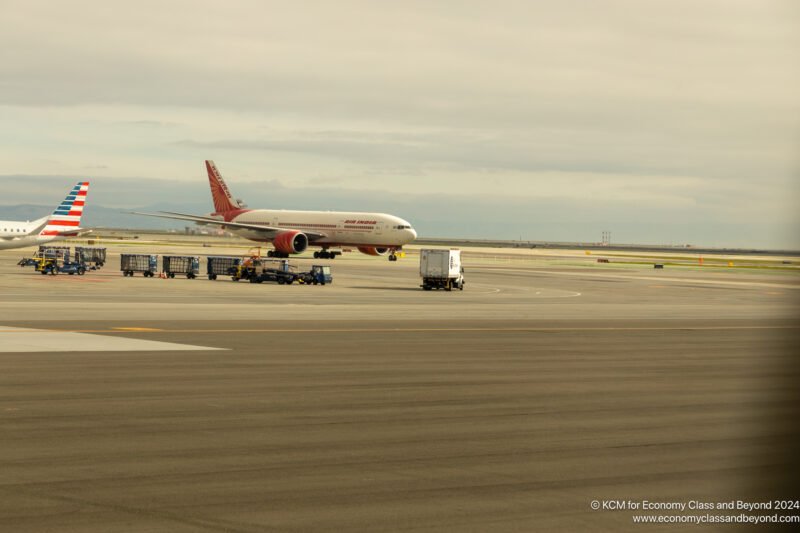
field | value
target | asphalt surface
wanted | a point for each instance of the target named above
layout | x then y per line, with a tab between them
370	405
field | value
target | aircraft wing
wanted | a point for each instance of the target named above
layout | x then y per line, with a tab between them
269	232
75	232
42	223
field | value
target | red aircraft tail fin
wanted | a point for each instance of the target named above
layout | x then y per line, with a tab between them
223	200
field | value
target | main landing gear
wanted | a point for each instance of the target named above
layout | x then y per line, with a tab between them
325	254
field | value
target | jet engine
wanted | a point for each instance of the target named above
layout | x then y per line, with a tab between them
291	242
371	250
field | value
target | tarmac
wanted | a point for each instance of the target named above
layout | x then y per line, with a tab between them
136	404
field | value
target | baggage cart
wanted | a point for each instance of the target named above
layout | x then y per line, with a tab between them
180	264
59	252
144	263
217	265
92	254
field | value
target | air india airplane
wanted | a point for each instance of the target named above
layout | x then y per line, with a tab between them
292	232
64	222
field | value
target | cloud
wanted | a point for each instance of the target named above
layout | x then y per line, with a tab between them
671	105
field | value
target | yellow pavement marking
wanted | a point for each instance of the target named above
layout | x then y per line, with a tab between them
138	329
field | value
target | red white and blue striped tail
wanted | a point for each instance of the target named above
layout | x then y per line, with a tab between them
66	219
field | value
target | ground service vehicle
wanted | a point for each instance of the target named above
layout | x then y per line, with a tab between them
50	263
318	275
73	267
144	263
217	265
262	270
47	264
54	254
50	252
279	276
247	269
441	269
180	264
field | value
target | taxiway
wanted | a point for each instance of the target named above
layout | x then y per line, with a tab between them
372	405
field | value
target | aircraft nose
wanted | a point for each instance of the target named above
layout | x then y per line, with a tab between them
412	232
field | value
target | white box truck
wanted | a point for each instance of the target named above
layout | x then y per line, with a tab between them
441	269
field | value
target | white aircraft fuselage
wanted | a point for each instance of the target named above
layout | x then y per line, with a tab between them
340	228
15	234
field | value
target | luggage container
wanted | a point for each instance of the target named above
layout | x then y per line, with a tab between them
218	265
59	252
92	254
131	263
180	264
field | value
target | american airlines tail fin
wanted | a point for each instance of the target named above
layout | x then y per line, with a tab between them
66	219
223	200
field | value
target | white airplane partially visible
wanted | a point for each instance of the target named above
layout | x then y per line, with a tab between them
64	222
291	232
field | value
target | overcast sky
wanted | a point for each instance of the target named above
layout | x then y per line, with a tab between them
673	121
